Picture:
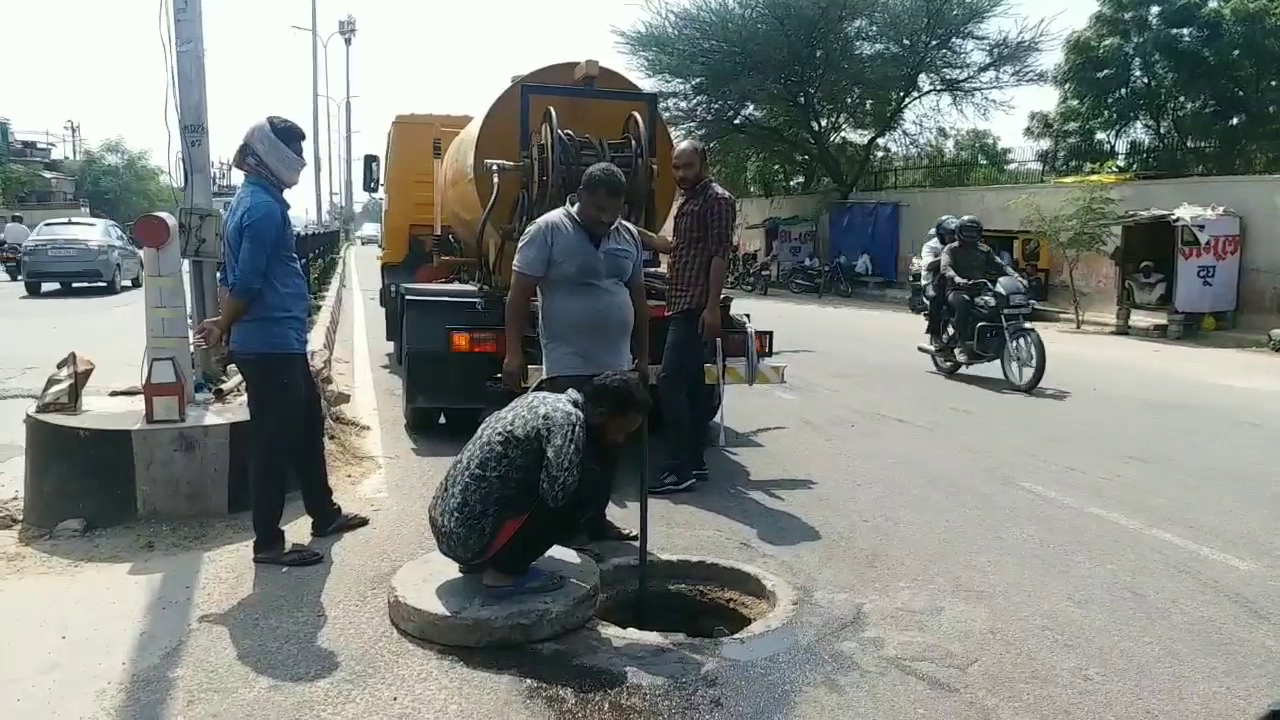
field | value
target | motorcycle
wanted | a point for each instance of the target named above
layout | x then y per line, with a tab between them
820	279
753	276
11	260
733	272
916	302
1001	329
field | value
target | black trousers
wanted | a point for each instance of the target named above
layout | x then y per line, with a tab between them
600	466
530	537
937	308
287	422
684	397
962	311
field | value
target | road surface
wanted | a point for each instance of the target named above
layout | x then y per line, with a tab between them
1103	549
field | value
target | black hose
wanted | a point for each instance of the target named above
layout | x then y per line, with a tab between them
485	268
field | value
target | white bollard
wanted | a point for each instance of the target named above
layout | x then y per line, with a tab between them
168	329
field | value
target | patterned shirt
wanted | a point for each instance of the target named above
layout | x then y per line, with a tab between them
703	230
529	451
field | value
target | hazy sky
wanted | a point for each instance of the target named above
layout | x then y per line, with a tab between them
102	64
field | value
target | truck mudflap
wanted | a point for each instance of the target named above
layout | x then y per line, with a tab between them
736	372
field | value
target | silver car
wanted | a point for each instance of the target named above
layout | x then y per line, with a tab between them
80	250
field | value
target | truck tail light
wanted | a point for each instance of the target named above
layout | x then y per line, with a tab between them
476	341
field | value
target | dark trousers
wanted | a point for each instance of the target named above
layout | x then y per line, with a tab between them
962	312
937	308
684	397
522	540
287	422
600	466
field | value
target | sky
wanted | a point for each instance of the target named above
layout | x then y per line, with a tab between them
102	64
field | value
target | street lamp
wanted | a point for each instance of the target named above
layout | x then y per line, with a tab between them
329	113
347	29
328	121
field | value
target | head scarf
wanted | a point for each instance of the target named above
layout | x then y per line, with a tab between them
263	154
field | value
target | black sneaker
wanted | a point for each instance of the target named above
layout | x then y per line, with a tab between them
701	474
669	482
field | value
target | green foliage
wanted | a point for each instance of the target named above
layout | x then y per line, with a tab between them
122	183
1083	224
17	181
798	94
1180	86
965	158
371	211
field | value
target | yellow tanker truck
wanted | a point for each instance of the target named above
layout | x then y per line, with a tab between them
459	192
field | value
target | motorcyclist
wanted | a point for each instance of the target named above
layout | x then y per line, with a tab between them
963	262
15	233
942	234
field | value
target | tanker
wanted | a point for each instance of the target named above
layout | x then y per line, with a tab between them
460	191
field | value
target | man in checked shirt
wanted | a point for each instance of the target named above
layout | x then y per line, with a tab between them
699	253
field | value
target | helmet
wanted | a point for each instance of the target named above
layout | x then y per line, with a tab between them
969	228
947	230
937	227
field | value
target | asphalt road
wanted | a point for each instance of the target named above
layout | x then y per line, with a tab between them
1102	549
36	332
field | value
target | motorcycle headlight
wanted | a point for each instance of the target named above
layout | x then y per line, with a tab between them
1018	299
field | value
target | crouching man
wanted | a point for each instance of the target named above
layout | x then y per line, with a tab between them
526	481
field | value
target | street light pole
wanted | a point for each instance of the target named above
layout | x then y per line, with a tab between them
315	112
347	29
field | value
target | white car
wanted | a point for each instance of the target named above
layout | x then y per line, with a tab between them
369	234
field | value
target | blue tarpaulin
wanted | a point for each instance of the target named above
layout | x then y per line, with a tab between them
867	227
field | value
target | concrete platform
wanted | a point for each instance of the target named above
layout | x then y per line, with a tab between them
430	600
106	465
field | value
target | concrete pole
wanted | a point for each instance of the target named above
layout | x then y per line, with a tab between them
328	124
193	118
315	111
347	28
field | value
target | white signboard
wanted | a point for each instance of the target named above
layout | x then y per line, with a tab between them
1208	264
795	242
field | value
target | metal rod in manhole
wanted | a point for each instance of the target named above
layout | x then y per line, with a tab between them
643	561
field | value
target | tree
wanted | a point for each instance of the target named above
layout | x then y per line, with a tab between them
17	181
813	87
946	158
122	183
1082	225
371	211
1170	85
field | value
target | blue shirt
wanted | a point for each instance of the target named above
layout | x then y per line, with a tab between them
261	268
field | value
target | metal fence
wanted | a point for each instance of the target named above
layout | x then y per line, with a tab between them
1038	164
318	251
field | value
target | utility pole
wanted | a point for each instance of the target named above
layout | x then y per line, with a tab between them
315	112
197	218
73	129
347	29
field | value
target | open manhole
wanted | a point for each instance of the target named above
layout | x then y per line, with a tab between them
693	597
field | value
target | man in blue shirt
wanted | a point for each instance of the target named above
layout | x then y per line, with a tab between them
264	314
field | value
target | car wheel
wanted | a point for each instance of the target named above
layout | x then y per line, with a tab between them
33	288
66	286
114	286
137	279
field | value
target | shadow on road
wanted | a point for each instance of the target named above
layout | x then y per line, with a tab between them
731	492
1000	386
276	628
78	291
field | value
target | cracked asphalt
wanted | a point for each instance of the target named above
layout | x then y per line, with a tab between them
1105	548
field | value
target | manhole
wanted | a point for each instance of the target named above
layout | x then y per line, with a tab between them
692	597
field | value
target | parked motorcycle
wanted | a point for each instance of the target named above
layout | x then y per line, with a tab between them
916	302
753	276
11	260
733	272
821	279
1001	329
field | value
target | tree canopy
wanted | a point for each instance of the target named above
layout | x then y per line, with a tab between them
16	182
1173	85
798	95
122	183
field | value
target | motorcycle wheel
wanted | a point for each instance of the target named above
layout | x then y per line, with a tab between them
763	286
796	286
1012	366
843	289
731	281
747	283
944	365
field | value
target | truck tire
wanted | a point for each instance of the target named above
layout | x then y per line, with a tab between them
462	419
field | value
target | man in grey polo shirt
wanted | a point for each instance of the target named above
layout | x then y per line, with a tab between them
586	266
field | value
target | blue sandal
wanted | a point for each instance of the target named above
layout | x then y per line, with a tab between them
534	582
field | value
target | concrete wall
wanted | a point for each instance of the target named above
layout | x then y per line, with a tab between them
1256	198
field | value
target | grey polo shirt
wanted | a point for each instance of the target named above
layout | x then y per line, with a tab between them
585	314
